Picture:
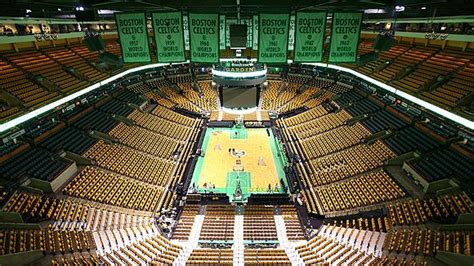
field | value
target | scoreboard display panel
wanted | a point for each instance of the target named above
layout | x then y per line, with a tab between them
239	97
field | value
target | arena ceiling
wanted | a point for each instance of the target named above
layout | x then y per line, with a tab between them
49	8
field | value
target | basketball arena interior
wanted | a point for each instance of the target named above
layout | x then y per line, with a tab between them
237	132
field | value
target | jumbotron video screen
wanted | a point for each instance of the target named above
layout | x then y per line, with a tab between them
239	97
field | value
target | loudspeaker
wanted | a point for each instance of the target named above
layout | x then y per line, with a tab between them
238	36
95	43
366	58
110	58
383	42
86	15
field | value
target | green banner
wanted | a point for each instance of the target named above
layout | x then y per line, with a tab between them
291	34
186	32
169	38
249	23
255	32
228	22
345	36
309	36
133	36
222	32
273	38
204	37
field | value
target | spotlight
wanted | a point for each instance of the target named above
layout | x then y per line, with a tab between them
399	8
423	7
28	11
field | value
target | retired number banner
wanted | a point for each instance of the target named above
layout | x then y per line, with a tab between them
309	36
133	37
273	38
204	37
169	38
345	36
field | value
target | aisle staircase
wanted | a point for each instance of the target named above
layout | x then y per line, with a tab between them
192	241
238	240
284	243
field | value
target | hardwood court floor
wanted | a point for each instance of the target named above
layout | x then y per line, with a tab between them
258	159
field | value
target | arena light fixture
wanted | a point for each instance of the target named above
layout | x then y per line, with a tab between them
431	107
17	121
399	8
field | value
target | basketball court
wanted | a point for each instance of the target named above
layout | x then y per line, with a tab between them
238	155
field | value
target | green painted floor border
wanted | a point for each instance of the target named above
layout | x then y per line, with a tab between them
279	158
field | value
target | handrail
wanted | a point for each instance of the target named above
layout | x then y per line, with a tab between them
431	107
428	106
21	119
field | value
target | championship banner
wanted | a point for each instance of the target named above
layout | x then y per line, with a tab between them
204	37
169	38
345	36
309	36
273	38
133	36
